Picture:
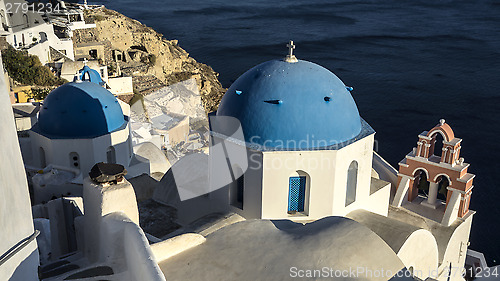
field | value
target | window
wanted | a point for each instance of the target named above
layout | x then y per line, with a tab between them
43	161
93	53
111	155
43	36
296	194
236	192
26	21
352	181
74	160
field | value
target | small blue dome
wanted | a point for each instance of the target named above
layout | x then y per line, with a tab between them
90	75
297	105
79	110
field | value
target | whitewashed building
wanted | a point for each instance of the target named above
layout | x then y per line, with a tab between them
80	124
309	152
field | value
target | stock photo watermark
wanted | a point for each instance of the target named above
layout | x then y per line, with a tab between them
362	272
230	159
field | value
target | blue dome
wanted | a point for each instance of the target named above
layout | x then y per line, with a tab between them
91	75
79	110
297	105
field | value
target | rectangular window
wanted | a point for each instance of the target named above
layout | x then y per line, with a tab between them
236	191
296	195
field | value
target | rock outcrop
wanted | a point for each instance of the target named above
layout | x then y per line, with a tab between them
145	53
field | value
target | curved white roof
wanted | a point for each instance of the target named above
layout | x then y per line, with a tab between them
269	250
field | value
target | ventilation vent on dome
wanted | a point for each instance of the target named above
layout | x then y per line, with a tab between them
274	101
327	99
238	92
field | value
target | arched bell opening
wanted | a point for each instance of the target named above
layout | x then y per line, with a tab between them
421	182
437	143
443	184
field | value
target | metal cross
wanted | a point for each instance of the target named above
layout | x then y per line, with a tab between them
85	61
291	47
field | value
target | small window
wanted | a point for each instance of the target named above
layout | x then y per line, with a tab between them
296	194
111	155
93	53
43	161
26	21
352	181
236	192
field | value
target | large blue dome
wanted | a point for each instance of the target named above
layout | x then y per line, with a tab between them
79	110
298	105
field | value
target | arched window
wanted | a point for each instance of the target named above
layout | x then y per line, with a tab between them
298	193
43	36
352	182
111	155
26	21
237	188
43	160
74	160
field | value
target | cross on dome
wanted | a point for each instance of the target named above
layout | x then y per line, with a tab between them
85	61
291	47
291	57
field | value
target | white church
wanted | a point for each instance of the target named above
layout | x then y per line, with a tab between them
303	191
309	152
81	123
310	158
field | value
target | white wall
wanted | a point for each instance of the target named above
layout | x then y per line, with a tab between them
252	191
112	233
278	167
328	171
15	211
125	242
34	32
266	182
90	151
362	152
99	201
120	85
420	251
42	51
456	249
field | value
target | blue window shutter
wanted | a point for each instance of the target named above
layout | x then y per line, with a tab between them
297	194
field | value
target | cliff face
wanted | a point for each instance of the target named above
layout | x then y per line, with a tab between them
152	60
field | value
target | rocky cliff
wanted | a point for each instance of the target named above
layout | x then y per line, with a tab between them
147	56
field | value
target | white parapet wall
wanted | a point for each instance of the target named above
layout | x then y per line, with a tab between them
121	85
385	171
112	234
175	245
18	249
100	200
124	243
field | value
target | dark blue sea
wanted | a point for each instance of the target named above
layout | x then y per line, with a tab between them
410	63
